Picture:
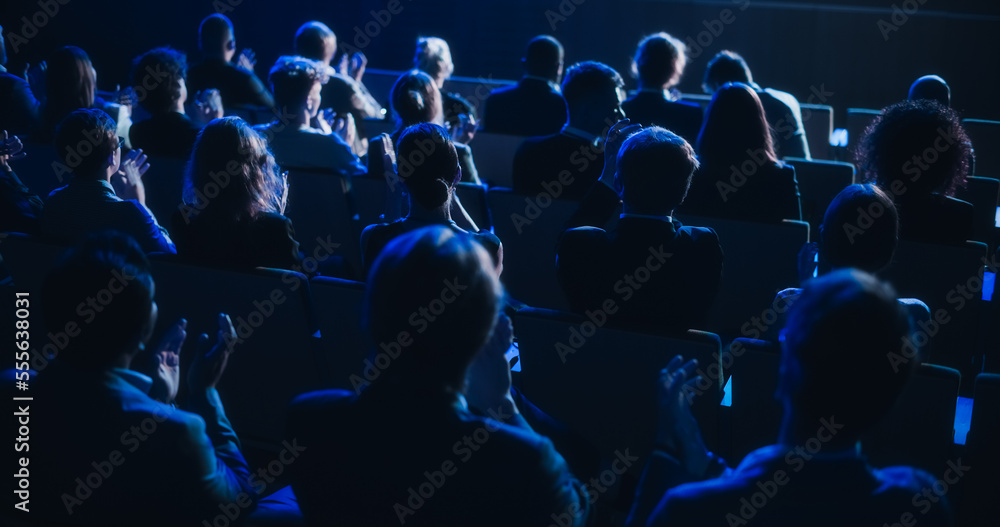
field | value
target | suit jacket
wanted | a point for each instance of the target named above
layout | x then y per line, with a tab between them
532	107
778	487
109	455
653	109
392	456
935	218
784	116
769	195
375	237
236	86
169	135
20	111
659	273
265	241
19	207
561	165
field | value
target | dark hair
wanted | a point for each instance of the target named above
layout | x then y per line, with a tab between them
102	286
310	40
860	229
725	66
735	127
85	140
836	359
931	87
908	132
415	98
428	163
654	170
70	84
543	56
214	31
157	76
292	78
3	49
412	275
659	60
588	83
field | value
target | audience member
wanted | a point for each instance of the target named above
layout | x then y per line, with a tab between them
784	115
918	152
534	106
234	199
740	176
565	165
659	64
433	57
652	171
20	111
931	87
236	83
70	84
20	208
297	82
835	383
90	150
158	77
409	423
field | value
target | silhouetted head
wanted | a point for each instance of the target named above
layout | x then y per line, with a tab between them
544	58
725	67
102	288
860	229
735	128
654	171
836	360
315	41
428	164
159	80
232	175
416	99
70	83
434	293
297	83
914	148
434	58
88	144
594	94
659	61
931	87
216	37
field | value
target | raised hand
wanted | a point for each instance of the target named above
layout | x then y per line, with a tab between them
617	135
676	430
465	130
358	63
35	75
10	150
128	184
167	363
344	127
210	361
488	378
247	60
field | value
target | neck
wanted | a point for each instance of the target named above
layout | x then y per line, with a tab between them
440	213
651	87
301	120
795	433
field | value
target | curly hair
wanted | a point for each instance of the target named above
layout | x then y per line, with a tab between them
156	78
292	78
915	146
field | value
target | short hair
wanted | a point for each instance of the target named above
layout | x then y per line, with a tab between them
415	98
726	66
415	271
214	31
310	39
292	78
78	290
847	239
543	56
908	131
85	140
590	82
157	76
837	351
434	57
655	167
931	87
428	163
659	60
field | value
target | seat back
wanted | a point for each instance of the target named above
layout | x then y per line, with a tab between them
602	382
980	504
819	183
473	198
817	120
755	412
983	193
494	156
858	120
369	195
377	127
985	137
41	170
27	261
344	343
164	183
321	208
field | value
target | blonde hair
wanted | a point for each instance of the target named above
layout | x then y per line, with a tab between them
434	57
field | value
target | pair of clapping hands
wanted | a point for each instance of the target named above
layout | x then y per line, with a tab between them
208	366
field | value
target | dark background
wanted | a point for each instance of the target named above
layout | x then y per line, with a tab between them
837	46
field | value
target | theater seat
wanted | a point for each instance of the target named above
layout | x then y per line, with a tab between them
755	412
985	137
817	121
980	506
321	208
858	120
819	183
344	343
28	261
983	193
473	199
494	157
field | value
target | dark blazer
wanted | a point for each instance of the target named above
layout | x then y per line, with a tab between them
769	195
375	237
266	241
237	86
652	109
935	218
680	276
168	135
400	456
561	165
529	108
20	111
784	116
20	209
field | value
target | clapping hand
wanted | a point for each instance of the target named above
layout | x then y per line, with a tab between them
488	378
677	432
210	361
10	150
464	130
358	63
128	184
167	363
617	135
247	60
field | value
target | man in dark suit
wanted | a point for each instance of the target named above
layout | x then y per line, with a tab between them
237	84
656	273
535	105
168	132
835	383
658	64
565	165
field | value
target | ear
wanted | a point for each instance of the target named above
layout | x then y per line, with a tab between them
458	176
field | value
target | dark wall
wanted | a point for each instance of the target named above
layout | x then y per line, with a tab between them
840	50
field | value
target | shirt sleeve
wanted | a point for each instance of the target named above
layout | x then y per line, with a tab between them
152	237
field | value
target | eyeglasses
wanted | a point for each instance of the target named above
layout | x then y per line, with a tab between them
121	142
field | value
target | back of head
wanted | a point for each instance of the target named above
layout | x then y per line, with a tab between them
158	77
70	83
860	229
836	362
434	292
85	140
654	171
725	66
914	148
103	289
232	174
415	98
433	56
215	33
659	61
931	87
544	57
428	163
735	128
591	85
292	79
315	40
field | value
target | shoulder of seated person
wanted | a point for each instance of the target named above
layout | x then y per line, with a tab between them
323	398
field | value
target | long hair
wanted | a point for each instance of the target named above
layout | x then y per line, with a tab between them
735	123
70	84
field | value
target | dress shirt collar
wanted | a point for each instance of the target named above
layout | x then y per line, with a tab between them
138	380
555	87
579	134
